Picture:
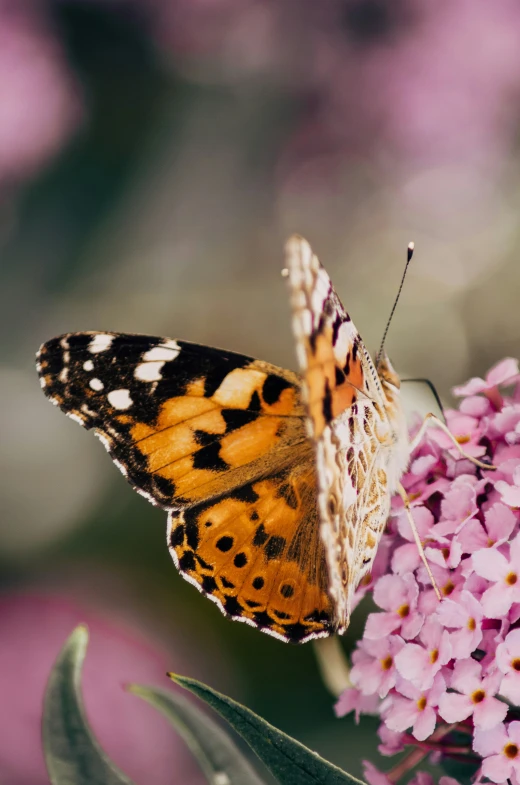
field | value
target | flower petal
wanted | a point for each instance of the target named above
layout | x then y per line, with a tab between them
490	564
454	708
489	713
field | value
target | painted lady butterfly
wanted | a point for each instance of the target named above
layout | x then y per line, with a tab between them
277	487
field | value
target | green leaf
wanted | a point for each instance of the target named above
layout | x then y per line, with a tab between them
218	755
72	754
290	762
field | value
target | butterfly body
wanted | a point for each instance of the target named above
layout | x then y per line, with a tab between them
277	486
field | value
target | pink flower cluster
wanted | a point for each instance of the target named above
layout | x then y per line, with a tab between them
445	676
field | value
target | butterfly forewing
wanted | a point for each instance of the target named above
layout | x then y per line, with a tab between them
201	431
348	419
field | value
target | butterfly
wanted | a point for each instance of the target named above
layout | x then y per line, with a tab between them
277	485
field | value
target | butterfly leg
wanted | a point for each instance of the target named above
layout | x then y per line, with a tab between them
432	419
406	502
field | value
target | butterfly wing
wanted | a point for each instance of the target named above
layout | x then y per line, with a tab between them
257	552
347	420
195	430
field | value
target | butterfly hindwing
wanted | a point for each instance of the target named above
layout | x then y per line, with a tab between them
256	551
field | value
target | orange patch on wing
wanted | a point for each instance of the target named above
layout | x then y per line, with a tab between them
267	552
321	375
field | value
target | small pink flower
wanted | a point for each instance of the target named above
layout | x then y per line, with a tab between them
505	372
392	741
374	667
506	424
406	557
510	493
476	698
352	699
489	563
499	524
459	504
500	748
397	595
465	616
419	664
373	776
508	660
413	707
466	430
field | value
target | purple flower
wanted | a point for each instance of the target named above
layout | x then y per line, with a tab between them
419	663
504	373
476	698
500	748
464	616
353	700
508	660
457	661
374	666
414	708
504	572
397	595
510	492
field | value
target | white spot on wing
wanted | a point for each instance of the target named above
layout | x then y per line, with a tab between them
120	399
75	417
96	384
100	343
166	351
64	373
149	371
88	365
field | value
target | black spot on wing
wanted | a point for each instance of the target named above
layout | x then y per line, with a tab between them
260	537
225	543
339	376
209	584
236	418
281	614
255	404
204	438
187	562
286	492
327	402
338	321
245	494
273	387
177	536
209	458
232	606
274	547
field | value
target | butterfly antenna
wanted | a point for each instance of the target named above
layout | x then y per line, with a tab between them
409	252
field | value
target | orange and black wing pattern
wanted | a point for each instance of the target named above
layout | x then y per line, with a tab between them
198	430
